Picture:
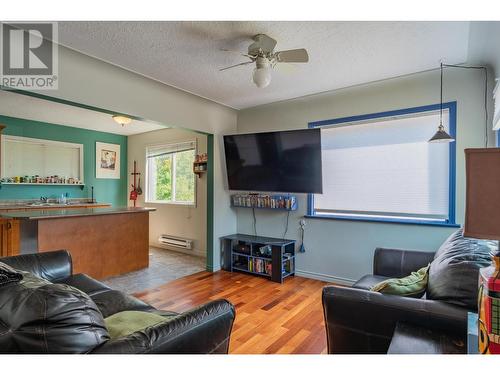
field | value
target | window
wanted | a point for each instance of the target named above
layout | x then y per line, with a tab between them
170	177
496	113
496	99
381	167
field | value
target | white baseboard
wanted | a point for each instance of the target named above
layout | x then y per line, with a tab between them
323	277
195	252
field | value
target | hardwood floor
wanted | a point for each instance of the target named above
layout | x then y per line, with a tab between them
270	317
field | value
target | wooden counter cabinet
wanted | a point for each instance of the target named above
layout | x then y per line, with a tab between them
9	237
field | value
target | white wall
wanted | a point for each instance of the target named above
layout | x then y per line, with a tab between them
176	220
484	44
86	80
484	49
342	251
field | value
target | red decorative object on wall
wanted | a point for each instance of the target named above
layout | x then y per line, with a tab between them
134	193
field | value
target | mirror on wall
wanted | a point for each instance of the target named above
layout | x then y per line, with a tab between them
26	159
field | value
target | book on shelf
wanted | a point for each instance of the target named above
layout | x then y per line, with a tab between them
260	266
288	265
269	268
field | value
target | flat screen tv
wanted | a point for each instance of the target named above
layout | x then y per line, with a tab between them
287	161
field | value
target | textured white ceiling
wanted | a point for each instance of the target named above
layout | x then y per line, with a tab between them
187	55
30	108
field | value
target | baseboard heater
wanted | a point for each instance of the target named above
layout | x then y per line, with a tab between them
179	242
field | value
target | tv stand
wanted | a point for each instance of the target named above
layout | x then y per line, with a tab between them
273	258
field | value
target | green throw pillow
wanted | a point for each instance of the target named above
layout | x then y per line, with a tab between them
413	285
126	322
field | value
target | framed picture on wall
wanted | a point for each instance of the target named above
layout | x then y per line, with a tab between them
107	160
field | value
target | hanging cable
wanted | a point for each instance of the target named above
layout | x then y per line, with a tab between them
302	248
286	225
254	223
441	100
485	93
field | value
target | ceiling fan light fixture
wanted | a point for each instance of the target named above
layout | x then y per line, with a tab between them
122	120
262	73
262	53
262	77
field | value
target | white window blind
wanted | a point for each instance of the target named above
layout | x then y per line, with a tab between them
385	168
160	150
496	100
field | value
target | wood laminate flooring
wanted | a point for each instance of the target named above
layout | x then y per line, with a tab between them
271	318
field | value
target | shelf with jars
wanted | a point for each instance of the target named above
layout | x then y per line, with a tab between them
200	164
41	181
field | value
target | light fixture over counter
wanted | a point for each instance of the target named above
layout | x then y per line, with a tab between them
122	120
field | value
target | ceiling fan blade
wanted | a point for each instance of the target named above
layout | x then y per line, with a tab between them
234	66
262	42
293	56
286	68
230	50
239	53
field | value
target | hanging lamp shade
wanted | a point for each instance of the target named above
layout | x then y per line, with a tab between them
441	136
482	200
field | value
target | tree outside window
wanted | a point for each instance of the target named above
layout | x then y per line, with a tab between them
171	178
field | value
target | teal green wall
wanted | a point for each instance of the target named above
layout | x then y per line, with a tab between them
112	191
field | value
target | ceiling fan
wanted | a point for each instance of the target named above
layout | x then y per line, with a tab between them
261	52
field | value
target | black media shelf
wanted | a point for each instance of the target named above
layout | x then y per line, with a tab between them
268	257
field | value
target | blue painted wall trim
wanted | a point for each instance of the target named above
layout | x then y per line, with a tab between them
112	191
384	220
452	109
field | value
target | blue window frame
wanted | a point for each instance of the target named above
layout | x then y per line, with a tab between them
451	108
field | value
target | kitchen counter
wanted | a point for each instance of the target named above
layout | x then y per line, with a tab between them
52	213
103	241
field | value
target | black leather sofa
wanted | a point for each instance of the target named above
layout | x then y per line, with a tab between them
361	321
205	329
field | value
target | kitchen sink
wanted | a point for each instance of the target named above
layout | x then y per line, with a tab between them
43	204
55	204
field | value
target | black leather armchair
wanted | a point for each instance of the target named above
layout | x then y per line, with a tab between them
361	321
204	329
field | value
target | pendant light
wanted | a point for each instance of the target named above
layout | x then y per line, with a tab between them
441	136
